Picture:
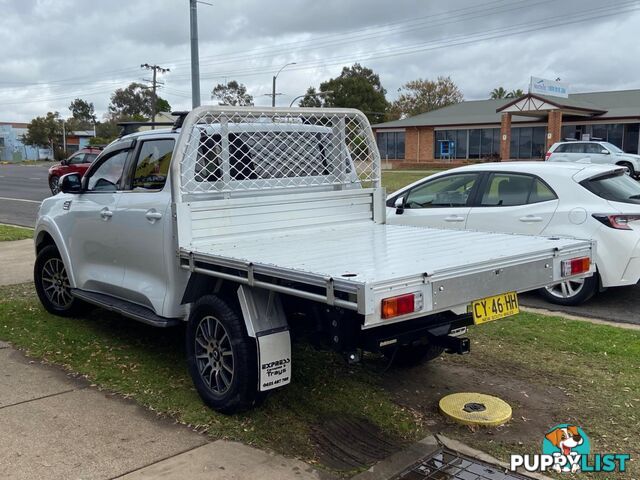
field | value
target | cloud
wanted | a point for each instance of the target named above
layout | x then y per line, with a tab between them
56	50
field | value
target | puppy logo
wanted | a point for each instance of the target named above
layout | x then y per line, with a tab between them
567	443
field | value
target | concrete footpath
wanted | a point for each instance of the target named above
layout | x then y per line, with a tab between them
56	426
17	262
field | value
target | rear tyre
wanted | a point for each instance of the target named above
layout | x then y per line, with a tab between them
52	284
221	357
571	292
412	355
54	184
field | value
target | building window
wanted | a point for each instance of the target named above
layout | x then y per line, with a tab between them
631	137
474	143
528	142
391	145
458	137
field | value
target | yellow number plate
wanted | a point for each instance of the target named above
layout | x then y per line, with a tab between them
493	308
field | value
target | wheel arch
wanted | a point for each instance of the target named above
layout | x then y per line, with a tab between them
48	234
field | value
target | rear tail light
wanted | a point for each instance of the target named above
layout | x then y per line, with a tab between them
619	222
575	266
401	305
547	155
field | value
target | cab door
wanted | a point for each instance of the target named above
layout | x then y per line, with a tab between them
92	240
513	203
145	224
442	202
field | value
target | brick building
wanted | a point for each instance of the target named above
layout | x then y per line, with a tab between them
510	129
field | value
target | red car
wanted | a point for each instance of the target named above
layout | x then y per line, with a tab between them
79	162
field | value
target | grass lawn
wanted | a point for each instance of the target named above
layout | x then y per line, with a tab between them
597	368
395	179
594	368
9	232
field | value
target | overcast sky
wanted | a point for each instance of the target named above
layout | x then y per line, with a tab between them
56	50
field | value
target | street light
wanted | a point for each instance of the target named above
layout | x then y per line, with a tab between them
319	94
273	92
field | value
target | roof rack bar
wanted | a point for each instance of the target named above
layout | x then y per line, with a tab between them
132	127
180	116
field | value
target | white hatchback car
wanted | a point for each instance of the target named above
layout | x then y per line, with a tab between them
593	152
577	200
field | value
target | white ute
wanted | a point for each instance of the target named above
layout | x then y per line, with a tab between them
246	222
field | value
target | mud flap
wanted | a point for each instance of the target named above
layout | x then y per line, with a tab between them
265	321
274	360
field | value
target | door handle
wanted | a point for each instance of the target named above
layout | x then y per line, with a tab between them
152	215
454	218
106	214
530	219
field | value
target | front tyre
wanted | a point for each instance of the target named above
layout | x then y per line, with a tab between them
221	357
52	284
629	166
571	292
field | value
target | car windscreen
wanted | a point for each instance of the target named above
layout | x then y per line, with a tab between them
616	186
612	147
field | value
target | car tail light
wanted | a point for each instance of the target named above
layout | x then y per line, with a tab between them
575	266
401	305
547	155
619	222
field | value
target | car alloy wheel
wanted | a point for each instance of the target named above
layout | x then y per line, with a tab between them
567	289
54	185
56	283
214	355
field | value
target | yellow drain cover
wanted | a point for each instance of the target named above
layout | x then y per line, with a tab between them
475	409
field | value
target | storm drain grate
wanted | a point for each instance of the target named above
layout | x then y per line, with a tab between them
445	464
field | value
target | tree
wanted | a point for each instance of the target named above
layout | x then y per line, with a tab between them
44	131
83	116
422	96
357	87
515	93
497	93
310	99
134	102
233	93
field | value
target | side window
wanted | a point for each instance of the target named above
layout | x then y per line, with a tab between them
578	148
449	191
89	157
594	148
152	165
561	148
507	190
541	192
76	159
106	178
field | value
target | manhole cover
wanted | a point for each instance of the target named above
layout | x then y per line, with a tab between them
446	464
346	442
475	409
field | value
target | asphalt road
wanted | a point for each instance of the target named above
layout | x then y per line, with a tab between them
22	187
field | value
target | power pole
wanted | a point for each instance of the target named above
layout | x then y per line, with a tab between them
154	83
195	61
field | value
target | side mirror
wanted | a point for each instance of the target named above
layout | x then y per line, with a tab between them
399	204
605	152
71	183
64	161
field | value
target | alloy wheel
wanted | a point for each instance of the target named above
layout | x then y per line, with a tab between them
214	355
55	283
566	289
